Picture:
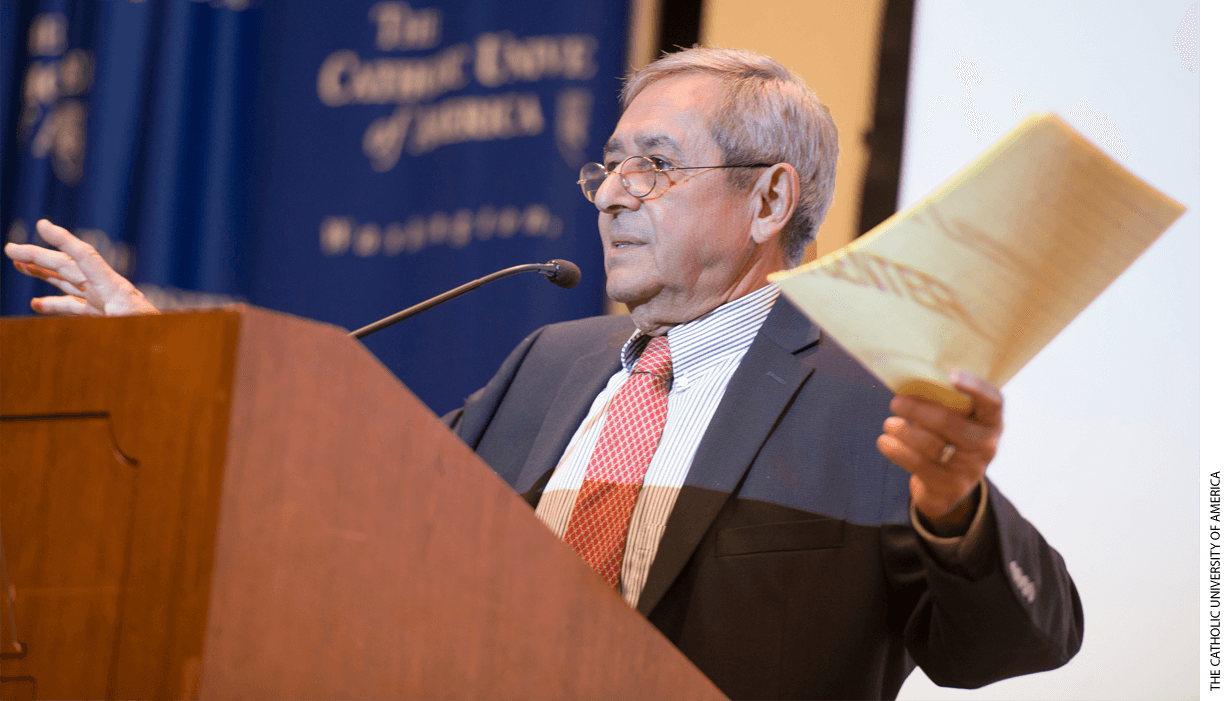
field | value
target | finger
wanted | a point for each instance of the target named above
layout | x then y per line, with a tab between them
37	271
925	463
942	486
918	439
988	401
53	234
963	467
47	259
66	287
44	274
23	252
106	290
90	262
63	306
949	425
46	264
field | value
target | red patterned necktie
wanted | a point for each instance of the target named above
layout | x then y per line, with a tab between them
598	528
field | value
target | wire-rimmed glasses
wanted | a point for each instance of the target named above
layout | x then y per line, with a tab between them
639	175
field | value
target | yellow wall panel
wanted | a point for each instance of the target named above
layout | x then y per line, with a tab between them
834	46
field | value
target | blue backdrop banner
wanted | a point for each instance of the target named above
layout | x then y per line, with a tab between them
333	159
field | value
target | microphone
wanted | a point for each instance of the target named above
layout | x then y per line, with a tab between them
559	272
565	274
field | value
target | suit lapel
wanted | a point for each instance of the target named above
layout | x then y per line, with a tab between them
758	393
588	375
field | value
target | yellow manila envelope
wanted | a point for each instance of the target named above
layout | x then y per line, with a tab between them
985	271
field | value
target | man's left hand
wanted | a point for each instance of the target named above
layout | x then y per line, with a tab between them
916	439
90	286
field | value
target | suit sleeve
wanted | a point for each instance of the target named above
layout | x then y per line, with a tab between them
1022	616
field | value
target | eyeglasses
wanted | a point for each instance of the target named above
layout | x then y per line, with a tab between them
639	175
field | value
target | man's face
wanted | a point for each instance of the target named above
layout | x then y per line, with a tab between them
684	251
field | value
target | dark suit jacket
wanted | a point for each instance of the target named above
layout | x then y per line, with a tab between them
788	567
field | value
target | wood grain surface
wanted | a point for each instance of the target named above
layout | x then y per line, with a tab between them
266	512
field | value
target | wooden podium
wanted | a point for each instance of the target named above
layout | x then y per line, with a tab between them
241	504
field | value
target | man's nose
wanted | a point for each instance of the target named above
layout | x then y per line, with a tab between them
612	196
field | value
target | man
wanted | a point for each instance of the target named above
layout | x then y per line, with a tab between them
711	454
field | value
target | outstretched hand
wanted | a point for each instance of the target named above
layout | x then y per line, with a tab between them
91	287
942	478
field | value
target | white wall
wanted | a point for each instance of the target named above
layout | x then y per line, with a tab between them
1102	427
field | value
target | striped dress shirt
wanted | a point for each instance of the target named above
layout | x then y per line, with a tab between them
705	353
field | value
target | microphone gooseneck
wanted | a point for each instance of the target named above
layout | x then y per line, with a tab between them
559	272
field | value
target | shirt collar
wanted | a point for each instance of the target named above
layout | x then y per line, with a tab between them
699	343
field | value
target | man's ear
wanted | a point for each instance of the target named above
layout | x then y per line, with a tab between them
774	197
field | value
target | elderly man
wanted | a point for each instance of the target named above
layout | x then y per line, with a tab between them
714	456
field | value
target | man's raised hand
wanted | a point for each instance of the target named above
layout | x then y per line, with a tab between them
91	287
946	451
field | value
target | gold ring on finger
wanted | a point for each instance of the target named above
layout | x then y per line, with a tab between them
946	453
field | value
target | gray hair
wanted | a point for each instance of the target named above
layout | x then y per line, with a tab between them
766	114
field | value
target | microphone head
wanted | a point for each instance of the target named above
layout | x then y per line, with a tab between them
566	274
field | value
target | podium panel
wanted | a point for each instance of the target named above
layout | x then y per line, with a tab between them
242	504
